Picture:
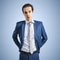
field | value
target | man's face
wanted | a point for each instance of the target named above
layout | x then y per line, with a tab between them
27	11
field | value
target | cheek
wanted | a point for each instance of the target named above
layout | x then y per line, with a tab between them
25	15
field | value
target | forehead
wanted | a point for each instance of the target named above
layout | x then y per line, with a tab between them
27	9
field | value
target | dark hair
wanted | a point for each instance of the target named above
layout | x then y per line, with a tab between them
27	5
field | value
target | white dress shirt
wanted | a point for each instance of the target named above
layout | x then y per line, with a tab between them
29	46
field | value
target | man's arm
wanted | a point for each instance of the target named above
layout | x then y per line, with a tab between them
14	36
44	35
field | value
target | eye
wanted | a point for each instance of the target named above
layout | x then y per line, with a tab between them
29	11
25	12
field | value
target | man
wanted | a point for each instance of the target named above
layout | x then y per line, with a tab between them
31	33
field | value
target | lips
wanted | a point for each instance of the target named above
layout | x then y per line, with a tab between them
28	17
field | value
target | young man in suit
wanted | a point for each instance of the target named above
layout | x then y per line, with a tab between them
31	33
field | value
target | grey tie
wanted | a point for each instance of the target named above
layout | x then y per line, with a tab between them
28	37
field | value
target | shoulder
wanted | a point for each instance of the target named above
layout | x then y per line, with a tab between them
38	22
18	24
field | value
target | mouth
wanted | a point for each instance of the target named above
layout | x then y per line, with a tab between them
28	17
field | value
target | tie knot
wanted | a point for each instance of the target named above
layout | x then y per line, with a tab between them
28	23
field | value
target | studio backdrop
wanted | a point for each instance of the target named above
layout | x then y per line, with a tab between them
47	11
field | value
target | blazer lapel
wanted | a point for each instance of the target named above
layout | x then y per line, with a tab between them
23	30
35	28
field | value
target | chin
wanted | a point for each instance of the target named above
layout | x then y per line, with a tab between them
28	19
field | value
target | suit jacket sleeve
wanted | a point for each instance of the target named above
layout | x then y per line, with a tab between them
44	35
14	36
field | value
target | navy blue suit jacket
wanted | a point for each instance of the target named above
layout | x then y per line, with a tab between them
39	34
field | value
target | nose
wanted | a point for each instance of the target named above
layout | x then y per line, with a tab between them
27	14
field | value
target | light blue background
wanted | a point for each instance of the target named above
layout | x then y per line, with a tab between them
47	11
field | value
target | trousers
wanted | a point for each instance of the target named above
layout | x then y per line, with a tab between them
28	56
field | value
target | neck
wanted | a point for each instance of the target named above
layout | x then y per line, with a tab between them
29	20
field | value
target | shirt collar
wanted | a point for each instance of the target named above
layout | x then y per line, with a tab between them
29	21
